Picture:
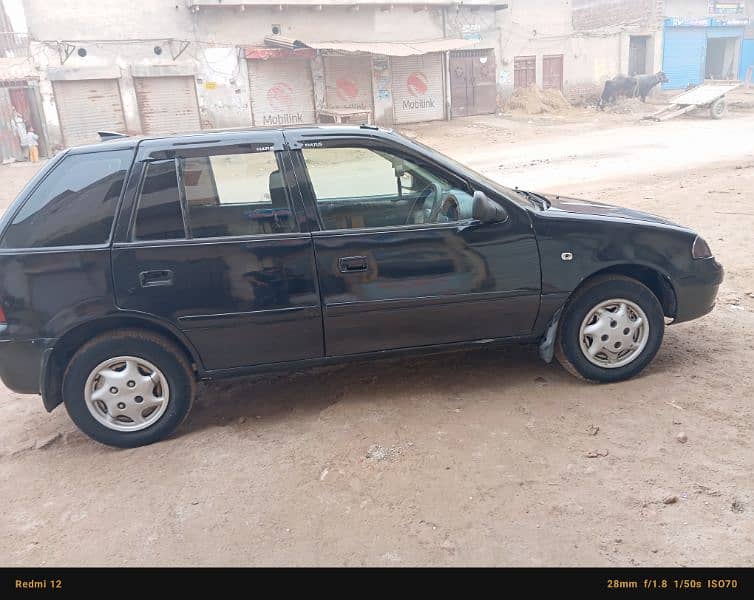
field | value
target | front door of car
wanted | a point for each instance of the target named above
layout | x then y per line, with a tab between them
401	261
209	242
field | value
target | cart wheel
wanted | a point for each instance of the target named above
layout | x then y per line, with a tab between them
717	108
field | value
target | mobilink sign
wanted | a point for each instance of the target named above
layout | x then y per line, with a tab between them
349	95
281	102
416	84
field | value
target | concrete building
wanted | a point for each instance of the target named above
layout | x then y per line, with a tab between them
575	45
704	39
20	101
184	64
170	65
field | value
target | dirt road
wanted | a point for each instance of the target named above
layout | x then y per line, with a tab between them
464	459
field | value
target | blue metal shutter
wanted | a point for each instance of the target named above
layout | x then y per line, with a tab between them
683	56
747	57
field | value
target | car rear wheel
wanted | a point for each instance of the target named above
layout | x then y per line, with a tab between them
128	388
610	330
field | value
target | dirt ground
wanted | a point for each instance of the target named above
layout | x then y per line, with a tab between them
465	459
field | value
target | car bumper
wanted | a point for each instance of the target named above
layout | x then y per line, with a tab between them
697	292
21	364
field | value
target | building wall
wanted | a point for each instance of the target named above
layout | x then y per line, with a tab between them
594	14
116	35
687	9
226	25
592	35
107	29
229	25
107	19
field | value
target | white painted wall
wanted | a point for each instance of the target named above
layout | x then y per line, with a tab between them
541	27
686	8
107	19
116	33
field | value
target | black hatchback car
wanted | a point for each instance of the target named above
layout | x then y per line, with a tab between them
133	268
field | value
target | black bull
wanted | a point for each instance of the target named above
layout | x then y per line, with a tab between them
630	87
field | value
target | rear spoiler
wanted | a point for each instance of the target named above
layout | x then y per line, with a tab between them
110	135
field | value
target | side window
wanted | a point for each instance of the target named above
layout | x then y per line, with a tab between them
159	212
236	195
74	205
340	173
358	187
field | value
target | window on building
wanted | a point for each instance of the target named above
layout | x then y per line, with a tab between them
74	205
357	187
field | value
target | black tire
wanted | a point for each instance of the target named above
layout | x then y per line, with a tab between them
568	348
162	353
717	109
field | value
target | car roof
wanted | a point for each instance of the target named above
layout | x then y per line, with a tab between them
130	142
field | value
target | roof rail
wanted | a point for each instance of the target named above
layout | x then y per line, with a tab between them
110	135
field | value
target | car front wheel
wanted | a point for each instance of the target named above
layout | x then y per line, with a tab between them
128	388
610	330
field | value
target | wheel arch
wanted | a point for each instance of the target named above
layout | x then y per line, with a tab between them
57	357
657	282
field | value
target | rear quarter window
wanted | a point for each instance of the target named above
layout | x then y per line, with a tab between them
74	205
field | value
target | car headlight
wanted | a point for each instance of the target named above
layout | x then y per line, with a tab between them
700	249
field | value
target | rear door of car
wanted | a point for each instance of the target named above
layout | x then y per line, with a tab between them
392	275
209	242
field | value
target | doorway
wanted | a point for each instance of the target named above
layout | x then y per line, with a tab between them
720	59
552	72
472	83
637	55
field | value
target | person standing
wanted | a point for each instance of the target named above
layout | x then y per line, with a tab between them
21	132
32	140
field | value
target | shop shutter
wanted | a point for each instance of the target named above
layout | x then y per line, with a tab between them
167	104
87	106
683	56
281	92
348	82
418	88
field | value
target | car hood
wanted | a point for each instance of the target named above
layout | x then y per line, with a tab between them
587	207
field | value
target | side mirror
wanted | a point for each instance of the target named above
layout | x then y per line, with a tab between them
486	210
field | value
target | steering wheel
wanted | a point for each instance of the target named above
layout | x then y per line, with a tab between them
445	203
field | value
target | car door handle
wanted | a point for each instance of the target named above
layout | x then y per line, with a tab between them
156	278
352	264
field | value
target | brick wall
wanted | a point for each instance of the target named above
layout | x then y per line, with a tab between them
595	14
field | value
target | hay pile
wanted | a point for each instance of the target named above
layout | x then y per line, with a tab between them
534	101
625	106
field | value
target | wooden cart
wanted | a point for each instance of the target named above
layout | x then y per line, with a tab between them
707	95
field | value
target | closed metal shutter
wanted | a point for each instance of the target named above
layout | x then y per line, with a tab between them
418	88
87	106
281	92
167	104
684	56
348	82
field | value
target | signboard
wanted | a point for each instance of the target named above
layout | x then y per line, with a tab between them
418	88
718	21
